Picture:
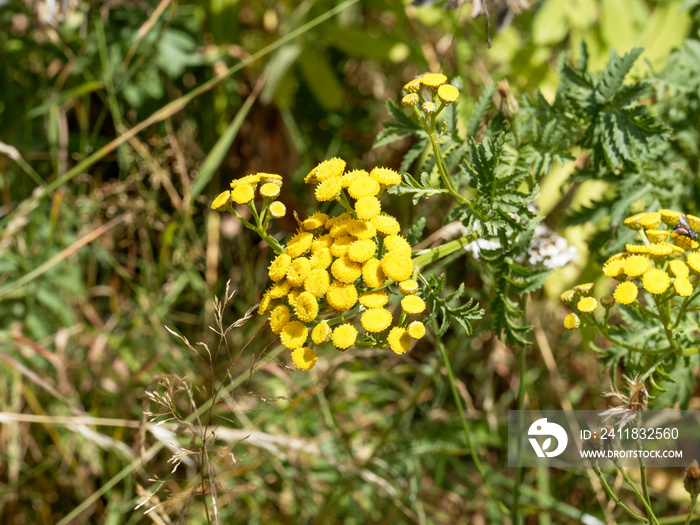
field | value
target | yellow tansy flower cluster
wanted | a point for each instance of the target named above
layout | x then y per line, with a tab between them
336	268
440	94
656	265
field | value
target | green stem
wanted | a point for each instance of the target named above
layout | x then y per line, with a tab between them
665	315
642	468
611	494
647	505
691	509
465	423
439	252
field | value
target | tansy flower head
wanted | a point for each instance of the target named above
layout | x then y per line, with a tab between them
279	317
682	286
299	244
320	333
626	292
386	224
221	201
341	245
568	297
252	180
277	209
269	177
584	289
413	86
572	322
327	169
413	305
304	358
429	108
294	335
328	190
374	299
344	336
363	186
298	270
265	303
433	80
376	319
396	243
670	217
316	221
416	329
323	242
243	194
340	228
650	221
362	230
679	269
636	265
293	295
693	261
368	207
351	176
656	281
397	265
693	221
341	296
321	259
372	273
410	100
684	241
362	250
399	340
334	220
448	93
633	221
408	287
306	308
270	190
385	177
345	270
317	282
279	289
587	305
657	235
279	266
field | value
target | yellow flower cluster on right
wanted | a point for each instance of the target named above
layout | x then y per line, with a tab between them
657	266
436	86
338	267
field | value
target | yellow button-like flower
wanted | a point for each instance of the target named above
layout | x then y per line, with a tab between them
277	209
270	190
568	297
304	358
682	286
279	266
614	268
408	287
334	220
656	281
679	269
372	273
447	93
341	245
374	298
317	282
584	289
345	270
636	265
298	270
397	265
363	186
299	244
386	224
659	250
279	317
344	336
279	289
294	335
293	295
368	207
269	177
351	176
410	100
265	303
693	260
433	80
306	308
316	221
684	241
637	248
650	221
626	292
587	305
221	201
324	242
429	107
327	169
670	217
399	340
572	322
376	319
693	221
362	250
321	333
385	177
633	221
329	189
362	230
243	194
321	259
341	296
251	180
340	228
412	304
416	329
396	243
413	86
657	235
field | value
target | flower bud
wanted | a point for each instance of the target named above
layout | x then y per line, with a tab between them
410	100
509	106
429	108
691	481
568	297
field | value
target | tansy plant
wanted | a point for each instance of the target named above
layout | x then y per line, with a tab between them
651	318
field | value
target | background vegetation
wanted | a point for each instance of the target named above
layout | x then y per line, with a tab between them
120	121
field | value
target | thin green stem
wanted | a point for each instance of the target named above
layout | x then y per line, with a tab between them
691	509
611	494
647	505
465	424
